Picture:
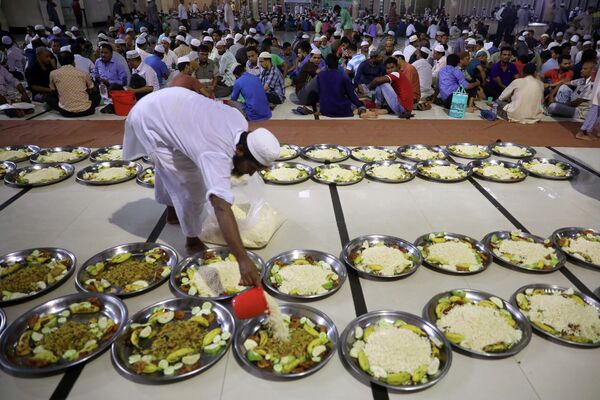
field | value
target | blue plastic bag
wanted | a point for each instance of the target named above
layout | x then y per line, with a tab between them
460	99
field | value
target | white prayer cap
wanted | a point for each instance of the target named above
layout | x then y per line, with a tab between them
525	33
265	54
143	29
439	48
391	33
305	36
396	53
439	33
193	55
180	38
574	38
598	42
425	50
552	45
229	37
195	42
66	48
112	29
337	33
102	43
102	36
471	42
210	31
208	39
182	28
129	30
413	38
119	41
317	38
74	29
364	43
559	34
471	33
56	30
221	43
163	40
465	32
545	35
252	30
587	37
323	37
521	38
140	40
132	54
249	37
159	49
316	52
39	28
184	59
237	37
263	145
70	34
6	40
584	43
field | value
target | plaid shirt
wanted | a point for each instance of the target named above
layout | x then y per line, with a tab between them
273	78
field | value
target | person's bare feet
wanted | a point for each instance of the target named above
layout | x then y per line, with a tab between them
172	216
584	136
194	245
470	110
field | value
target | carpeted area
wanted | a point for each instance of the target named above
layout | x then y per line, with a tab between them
347	132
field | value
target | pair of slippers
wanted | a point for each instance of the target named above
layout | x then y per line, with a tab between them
302	111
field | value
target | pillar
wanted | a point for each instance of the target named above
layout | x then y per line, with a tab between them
255	9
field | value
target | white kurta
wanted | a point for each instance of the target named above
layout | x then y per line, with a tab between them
191	140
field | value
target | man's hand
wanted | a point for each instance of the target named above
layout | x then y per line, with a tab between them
25	98
249	272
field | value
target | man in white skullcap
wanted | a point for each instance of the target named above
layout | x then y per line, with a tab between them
194	159
170	58
181	47
227	63
155	60
143	78
141	45
410	49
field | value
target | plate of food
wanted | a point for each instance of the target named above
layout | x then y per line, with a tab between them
66	154
127	270
173	340
453	253
288	152
61	333
382	257
373	153
2	320
291	343
395	349
560	314
17	154
421	152
146	177
286	173
443	171
109	173
304	275
326	153
39	175
390	171
338	174
6	167
580	245
109	153
523	251
512	150
212	274
469	150
479	324
27	274
498	171
548	168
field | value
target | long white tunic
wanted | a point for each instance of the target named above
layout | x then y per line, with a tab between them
191	140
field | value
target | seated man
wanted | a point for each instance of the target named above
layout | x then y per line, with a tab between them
305	84
394	90
501	74
412	75
526	96
186	79
424	70
573	99
108	70
252	66
450	78
12	90
208	72
155	60
74	92
555	78
227	63
38	74
255	106
336	94
143	77
354	60
271	79
369	70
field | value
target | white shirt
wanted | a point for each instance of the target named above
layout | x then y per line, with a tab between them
15	59
410	30
409	50
143	53
84	65
432	31
227	63
526	97
181	12
437	66
170	59
354	62
424	70
148	73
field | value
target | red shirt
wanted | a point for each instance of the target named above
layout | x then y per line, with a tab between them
520	67
403	89
555	75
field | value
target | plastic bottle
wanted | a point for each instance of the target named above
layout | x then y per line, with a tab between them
103	91
495	108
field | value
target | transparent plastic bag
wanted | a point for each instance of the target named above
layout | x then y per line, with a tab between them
256	219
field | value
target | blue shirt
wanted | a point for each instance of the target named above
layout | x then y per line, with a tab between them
366	72
336	94
158	66
256	106
322	65
111	71
449	79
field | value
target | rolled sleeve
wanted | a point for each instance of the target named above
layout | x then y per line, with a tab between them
461	78
216	174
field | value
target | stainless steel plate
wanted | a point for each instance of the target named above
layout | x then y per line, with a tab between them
476	296
20	256
140	177
2	320
96	167
198	259
121	350
479	164
253	325
359	178
570	170
297	151
468	171
505	235
299	166
97	155
486	149
442	153
36	157
32	149
347	339
6	167
11	178
113	308
391	154
148	160
497	149
288	257
571	233
477	245
409	168
343	149
408	248
137	250
553	289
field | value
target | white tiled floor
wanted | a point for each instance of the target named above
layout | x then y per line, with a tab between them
87	220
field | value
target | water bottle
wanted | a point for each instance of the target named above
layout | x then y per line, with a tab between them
103	91
495	108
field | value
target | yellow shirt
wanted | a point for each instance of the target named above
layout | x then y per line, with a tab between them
71	85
